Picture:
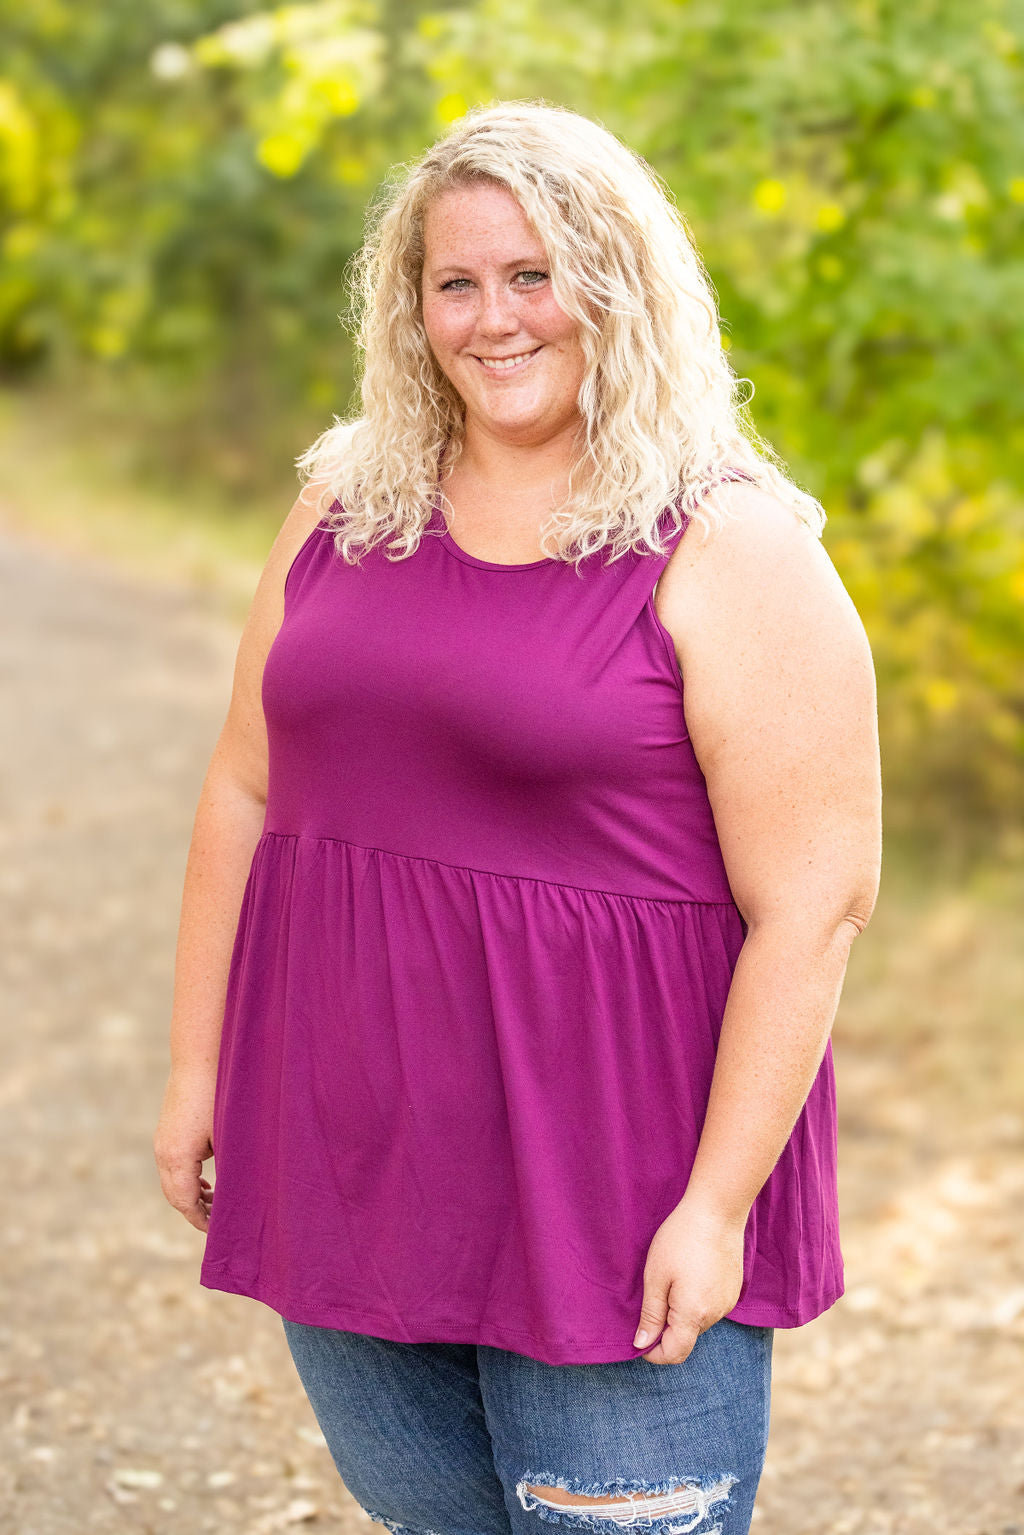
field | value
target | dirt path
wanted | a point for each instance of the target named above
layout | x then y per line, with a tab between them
134	1400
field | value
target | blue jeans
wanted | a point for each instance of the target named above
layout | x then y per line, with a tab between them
457	1438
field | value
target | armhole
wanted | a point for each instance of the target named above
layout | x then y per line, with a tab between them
301	556
660	561
300	559
666	638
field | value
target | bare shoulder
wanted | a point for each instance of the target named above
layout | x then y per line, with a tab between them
303	517
267	609
761	577
779	699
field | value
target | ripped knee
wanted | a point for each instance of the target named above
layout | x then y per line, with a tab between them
675	1506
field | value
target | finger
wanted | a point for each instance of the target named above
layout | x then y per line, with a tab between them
653	1315
674	1345
197	1215
181	1192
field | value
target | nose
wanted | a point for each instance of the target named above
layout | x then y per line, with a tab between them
497	315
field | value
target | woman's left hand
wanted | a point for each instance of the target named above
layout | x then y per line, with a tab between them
692	1277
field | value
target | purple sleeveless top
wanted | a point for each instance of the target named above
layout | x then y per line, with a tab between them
480	969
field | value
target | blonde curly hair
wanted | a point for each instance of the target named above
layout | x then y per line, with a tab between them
663	421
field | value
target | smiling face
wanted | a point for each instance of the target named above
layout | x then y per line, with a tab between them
512	354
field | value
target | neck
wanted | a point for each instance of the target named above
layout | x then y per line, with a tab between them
494	460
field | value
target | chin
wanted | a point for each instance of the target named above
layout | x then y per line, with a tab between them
515	413
518	424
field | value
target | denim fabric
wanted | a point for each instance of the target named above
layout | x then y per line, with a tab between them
446	1438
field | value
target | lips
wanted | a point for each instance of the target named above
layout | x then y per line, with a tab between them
500	366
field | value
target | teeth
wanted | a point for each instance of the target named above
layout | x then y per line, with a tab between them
500	363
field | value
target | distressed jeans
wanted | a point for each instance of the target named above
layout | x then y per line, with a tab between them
465	1439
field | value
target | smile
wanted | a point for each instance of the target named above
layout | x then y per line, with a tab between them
507	365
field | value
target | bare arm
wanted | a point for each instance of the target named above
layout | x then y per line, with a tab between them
228	824
780	707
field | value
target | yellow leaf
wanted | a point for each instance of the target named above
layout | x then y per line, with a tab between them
19	162
770	195
830	217
108	341
941	695
281	153
341	96
452	106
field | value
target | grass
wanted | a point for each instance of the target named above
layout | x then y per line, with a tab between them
934	994
68	482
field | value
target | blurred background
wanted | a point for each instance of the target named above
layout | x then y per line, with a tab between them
181	185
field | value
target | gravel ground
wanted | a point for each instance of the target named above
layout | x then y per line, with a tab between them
134	1400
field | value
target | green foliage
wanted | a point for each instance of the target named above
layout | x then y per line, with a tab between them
182	183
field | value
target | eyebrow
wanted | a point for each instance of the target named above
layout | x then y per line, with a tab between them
531	262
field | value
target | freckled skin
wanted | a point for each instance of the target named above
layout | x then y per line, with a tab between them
487	293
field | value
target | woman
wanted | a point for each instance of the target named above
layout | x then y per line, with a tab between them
527	955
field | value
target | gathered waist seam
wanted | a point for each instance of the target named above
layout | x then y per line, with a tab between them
525	879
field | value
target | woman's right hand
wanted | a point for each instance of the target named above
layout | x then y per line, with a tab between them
183	1141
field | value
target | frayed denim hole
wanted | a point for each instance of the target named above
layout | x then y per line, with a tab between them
656	1505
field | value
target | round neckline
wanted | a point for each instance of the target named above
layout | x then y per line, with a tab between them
437	520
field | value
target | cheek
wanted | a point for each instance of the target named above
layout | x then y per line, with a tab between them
568	346
553	323
433	327
445	328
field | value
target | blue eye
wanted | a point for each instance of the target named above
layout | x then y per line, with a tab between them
454	283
